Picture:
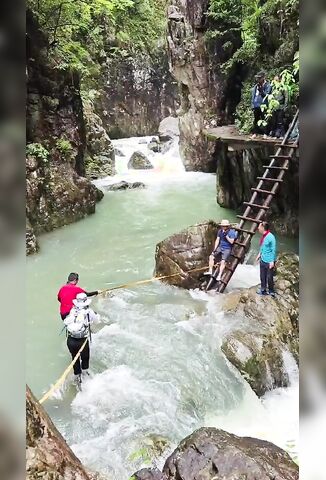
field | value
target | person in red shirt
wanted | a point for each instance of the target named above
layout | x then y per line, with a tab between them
69	292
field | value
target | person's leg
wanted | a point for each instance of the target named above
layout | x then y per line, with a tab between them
212	261
73	345
263	276
85	357
256	128
225	256
270	280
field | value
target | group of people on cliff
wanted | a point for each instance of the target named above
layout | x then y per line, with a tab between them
274	126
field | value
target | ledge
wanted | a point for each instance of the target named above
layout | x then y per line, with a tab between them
230	134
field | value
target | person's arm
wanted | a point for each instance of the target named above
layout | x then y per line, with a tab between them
273	249
258	257
217	242
92	294
231	237
252	97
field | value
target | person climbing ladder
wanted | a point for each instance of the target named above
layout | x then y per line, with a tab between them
78	324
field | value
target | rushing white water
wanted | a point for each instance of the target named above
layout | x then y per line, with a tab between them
157	368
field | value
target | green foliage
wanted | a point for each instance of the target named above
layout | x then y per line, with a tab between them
141	454
37	150
64	146
81	34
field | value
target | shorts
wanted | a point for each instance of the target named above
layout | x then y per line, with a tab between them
221	254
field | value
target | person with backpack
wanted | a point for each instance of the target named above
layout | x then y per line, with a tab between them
68	293
78	325
281	95
259	97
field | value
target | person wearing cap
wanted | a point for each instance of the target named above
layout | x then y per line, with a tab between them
259	97
222	248
78	324
69	292
267	258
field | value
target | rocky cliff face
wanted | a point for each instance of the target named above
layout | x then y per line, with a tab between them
204	88
138	93
237	172
48	456
57	192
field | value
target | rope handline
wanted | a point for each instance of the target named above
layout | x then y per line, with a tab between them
64	375
139	282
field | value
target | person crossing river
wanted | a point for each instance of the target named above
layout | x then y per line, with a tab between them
78	324
69	292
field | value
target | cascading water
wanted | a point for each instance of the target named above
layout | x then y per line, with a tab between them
157	369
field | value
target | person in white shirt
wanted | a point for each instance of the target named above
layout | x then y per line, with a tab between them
78	324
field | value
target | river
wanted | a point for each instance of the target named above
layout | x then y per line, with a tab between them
157	372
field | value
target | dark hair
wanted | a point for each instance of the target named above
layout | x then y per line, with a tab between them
265	225
73	277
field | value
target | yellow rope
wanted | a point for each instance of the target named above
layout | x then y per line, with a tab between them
63	376
126	285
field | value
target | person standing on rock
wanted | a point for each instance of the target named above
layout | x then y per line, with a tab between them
78	324
267	258
69	292
222	248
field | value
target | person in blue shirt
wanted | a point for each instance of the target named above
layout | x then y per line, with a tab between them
222	247
259	97
267	258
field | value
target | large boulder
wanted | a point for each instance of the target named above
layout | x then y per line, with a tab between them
168	129
139	161
212	454
266	347
48	457
124	186
183	252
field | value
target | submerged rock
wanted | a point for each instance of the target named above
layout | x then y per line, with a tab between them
269	336
183	252
139	161
124	186
154	147
48	456
213	454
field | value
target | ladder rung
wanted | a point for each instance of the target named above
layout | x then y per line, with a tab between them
270	167
263	207
282	157
268	179
244	245
286	145
236	256
244	231
259	190
249	219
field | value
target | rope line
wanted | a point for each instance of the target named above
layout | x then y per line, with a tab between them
139	282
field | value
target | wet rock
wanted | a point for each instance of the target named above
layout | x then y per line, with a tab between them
47	454
168	129
100	155
149	474
119	153
154	147
185	251
212	454
269	330
124	186
31	241
139	161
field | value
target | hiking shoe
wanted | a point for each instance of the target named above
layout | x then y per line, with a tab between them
261	292
272	294
86	373
208	273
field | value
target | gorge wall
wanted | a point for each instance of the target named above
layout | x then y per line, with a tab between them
196	65
57	192
137	93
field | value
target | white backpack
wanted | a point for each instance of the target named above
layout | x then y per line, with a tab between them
78	326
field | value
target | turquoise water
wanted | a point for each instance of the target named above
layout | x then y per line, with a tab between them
156	364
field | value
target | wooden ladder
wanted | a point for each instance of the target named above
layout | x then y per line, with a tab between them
260	202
